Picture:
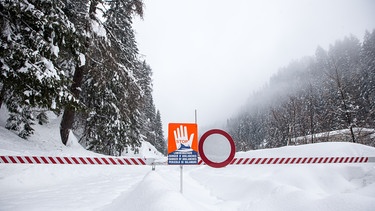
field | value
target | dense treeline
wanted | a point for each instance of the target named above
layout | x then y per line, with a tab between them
79	59
333	90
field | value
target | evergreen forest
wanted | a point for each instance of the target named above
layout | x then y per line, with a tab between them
334	90
78	59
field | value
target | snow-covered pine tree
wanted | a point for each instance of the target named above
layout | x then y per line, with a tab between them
105	124
148	113
151	129
122	37
111	91
367	79
342	70
82	14
31	79
243	133
160	144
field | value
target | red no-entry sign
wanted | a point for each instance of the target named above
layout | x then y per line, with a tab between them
204	156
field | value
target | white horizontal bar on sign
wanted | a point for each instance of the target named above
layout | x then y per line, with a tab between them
72	160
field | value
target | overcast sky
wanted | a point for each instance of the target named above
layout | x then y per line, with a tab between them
210	55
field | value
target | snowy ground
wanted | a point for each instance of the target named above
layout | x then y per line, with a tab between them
343	187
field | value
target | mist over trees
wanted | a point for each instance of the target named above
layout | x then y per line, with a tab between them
332	90
79	59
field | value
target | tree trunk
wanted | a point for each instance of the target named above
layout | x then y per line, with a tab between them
352	134
2	93
69	112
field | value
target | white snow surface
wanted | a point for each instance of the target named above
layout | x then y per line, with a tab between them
82	59
342	187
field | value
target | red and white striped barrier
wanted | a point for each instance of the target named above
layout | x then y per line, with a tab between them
72	160
297	160
143	161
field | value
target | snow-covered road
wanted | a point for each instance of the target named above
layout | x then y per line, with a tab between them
64	187
262	187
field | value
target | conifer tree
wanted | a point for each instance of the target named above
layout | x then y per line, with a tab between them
113	87
160	143
82	15
367	81
31	79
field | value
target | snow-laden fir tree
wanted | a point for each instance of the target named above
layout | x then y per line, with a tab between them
341	66
151	130
32	80
367	79
112	88
82	14
160	143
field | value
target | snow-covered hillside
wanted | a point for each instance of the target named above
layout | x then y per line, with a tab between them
343	187
46	141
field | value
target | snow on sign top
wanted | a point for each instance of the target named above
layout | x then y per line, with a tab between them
182	143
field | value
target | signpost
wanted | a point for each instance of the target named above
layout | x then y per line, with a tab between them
182	146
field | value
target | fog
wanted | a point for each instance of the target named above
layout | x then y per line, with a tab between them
210	55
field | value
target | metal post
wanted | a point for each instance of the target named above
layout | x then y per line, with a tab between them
182	166
195	116
181	174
